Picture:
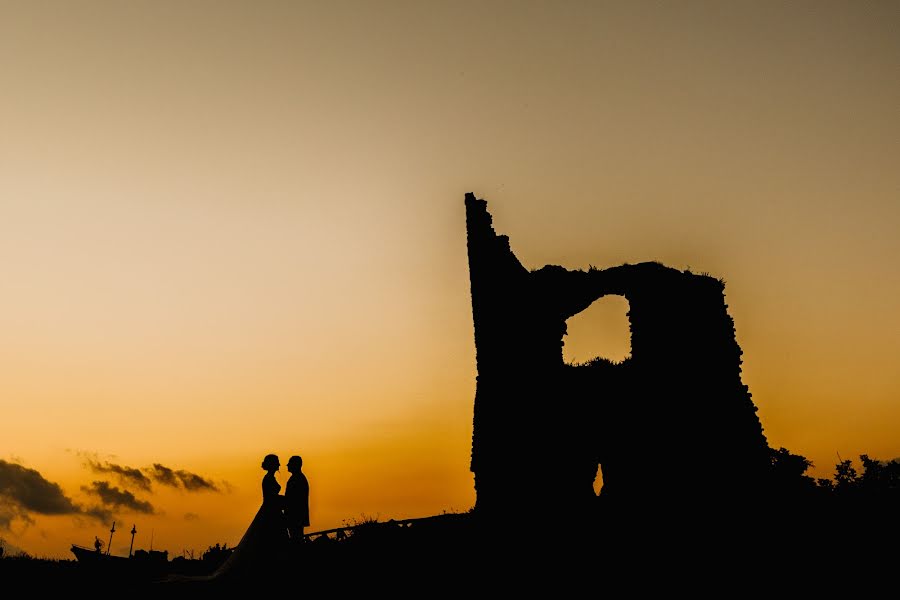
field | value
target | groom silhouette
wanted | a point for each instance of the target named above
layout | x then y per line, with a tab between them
296	500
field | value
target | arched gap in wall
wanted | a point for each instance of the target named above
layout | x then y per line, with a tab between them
602	329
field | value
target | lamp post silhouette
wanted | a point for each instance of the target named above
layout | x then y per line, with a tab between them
111	532
131	547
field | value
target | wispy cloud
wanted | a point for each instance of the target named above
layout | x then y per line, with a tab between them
104	515
9	549
126	475
116	498
9	512
180	479
196	483
24	492
162	474
143	478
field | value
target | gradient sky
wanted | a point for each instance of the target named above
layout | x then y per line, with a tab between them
234	228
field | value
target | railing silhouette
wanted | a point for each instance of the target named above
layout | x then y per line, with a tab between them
341	533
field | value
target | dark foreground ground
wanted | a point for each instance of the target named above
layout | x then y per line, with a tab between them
459	555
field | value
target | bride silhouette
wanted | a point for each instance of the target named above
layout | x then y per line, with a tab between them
266	537
263	545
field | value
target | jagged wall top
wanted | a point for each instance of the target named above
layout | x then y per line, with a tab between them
680	392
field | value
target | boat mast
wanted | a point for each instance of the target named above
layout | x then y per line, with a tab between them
131	547
111	532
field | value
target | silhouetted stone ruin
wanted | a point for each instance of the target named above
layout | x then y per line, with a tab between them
672	425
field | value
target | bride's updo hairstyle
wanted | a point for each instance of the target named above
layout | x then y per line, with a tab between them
270	462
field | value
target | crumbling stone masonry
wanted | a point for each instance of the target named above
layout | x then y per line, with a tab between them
672	424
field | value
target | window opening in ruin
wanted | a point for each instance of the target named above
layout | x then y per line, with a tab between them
602	329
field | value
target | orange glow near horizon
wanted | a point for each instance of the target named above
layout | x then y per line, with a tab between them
234	228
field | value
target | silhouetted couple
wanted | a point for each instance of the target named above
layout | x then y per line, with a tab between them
278	523
289	513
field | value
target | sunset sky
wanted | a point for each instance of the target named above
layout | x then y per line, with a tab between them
235	228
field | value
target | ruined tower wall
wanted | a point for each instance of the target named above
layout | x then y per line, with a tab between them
673	421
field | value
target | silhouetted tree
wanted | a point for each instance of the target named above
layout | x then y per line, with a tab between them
879	477
878	482
825	484
216	555
845	476
789	471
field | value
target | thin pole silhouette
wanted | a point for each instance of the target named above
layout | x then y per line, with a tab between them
111	532
131	547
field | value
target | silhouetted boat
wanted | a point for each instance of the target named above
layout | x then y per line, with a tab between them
94	557
142	563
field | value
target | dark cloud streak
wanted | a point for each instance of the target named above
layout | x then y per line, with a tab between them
25	491
162	474
195	483
144	478
182	479
115	498
103	515
126	475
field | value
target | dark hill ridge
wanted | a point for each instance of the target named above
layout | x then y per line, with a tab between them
541	427
461	555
